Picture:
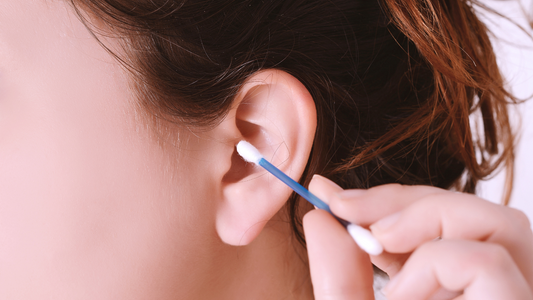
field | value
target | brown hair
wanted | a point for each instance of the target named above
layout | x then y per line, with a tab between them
394	82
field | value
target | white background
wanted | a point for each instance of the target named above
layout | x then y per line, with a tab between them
514	50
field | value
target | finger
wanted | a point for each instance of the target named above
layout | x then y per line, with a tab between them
460	216
390	263
466	217
324	188
364	207
479	270
339	269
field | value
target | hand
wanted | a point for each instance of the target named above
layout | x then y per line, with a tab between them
435	240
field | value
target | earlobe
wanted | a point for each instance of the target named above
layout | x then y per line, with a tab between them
275	112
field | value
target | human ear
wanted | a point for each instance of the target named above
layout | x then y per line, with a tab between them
275	113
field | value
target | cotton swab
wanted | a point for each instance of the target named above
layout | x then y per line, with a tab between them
361	236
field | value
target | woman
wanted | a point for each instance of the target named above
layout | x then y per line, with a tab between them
120	179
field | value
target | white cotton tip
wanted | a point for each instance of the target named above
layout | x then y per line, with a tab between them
249	152
365	239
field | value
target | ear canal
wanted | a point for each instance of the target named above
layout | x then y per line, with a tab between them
239	169
276	114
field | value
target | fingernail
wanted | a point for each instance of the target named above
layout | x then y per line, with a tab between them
385	223
351	194
323	188
325	180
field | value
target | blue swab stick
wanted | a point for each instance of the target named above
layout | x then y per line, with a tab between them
361	236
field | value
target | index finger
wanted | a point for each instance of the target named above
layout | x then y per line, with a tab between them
365	207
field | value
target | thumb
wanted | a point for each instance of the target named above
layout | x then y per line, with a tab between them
339	268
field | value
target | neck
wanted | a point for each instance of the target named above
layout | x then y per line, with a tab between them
273	266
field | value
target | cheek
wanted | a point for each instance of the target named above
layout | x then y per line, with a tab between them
70	185
86	196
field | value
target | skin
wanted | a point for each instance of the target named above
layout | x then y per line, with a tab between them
93	204
483	251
